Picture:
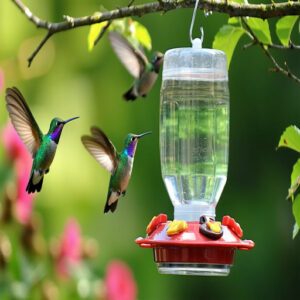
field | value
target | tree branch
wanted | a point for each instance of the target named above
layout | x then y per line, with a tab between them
34	19
277	68
102	32
291	45
263	11
38	48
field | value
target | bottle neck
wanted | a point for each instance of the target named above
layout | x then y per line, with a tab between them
193	212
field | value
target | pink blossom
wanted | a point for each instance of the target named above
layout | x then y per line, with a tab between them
13	145
22	160
119	282
1	80
69	252
24	201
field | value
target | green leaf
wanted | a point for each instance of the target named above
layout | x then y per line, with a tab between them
94	32
261	29
119	25
295	179
295	230
226	40
290	138
296	172
141	34
284	28
135	32
296	210
234	21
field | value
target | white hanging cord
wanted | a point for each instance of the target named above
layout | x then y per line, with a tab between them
198	41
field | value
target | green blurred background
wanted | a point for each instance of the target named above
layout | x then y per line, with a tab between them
66	80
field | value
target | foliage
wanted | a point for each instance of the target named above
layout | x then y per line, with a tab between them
261	29
229	35
227	38
284	28
296	213
94	32
291	139
134	31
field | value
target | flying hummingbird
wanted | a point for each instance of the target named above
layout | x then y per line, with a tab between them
137	64
118	164
41	146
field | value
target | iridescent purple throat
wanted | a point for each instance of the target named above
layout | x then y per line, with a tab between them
55	135
131	148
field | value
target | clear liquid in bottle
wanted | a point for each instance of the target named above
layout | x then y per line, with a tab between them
194	134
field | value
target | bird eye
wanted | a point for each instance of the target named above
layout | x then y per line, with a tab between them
133	138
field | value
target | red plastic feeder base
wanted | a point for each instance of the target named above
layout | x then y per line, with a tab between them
190	252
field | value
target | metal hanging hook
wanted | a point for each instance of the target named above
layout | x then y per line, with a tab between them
198	41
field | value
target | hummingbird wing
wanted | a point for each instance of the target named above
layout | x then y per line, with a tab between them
101	148
133	59
23	120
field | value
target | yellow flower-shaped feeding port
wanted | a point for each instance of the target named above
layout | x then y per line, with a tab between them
176	227
210	228
214	226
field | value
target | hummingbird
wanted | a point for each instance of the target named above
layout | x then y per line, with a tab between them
144	71
41	146
118	164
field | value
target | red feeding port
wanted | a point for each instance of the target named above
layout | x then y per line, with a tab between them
191	252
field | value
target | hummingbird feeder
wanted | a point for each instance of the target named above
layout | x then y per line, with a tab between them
194	142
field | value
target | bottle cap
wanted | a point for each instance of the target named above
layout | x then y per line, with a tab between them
195	63
197	43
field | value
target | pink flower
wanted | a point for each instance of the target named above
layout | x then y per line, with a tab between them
22	160
13	145
69	252
1	80
119	282
23	206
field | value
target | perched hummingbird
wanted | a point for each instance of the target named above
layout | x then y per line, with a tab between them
118	164
137	64
42	147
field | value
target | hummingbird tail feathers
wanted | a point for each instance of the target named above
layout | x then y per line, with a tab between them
111	202
130	95
31	187
112	207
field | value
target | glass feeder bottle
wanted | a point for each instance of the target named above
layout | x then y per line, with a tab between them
194	129
194	138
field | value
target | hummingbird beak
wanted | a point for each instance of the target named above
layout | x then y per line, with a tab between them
143	134
69	120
